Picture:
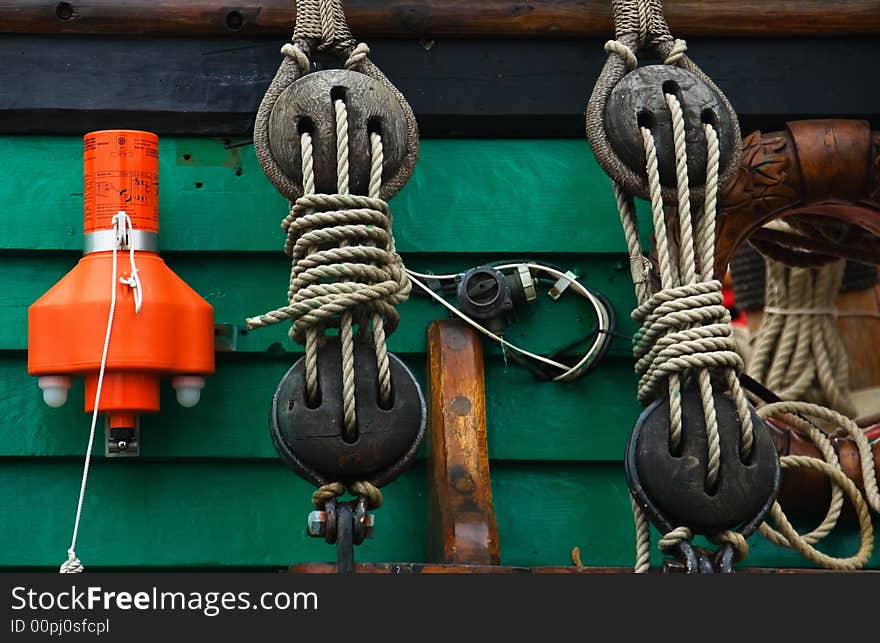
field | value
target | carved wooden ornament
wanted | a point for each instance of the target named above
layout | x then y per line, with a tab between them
815	168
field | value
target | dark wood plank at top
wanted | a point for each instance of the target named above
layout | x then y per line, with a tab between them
440	18
458	88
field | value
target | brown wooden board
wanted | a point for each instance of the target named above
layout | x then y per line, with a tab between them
462	524
432	18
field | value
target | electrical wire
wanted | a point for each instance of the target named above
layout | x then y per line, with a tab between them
604	331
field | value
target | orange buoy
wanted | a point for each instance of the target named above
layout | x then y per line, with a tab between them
160	326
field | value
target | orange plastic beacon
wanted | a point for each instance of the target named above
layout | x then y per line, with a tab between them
158	325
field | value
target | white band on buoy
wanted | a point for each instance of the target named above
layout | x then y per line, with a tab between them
105	241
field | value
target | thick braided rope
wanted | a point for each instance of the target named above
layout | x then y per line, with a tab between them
323	23
347	239
799	353
794	414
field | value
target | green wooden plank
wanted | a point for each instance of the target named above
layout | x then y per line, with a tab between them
241	286
588	419
466	196
148	514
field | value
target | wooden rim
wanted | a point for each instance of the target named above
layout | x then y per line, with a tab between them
827	168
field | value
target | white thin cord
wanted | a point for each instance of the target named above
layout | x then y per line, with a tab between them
120	220
134	280
569	372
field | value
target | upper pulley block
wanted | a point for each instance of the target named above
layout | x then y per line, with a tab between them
639	100
308	105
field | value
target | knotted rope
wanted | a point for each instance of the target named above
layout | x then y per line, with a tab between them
347	239
685	332
345	270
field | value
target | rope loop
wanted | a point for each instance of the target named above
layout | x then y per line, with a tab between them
345	238
294	52
736	540
618	48
672	539
357	57
679	47
359	488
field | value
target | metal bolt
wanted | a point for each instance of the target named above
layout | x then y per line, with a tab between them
316	524
122	445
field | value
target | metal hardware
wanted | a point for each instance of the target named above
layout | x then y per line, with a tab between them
487	294
562	285
307	105
316	524
226	337
529	286
122	442
105	241
639	100
310	440
345	540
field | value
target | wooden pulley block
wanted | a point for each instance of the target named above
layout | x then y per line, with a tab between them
310	439
671	485
308	105
821	169
639	100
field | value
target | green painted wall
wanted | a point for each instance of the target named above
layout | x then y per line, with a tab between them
208	489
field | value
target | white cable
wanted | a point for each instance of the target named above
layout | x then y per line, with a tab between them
569	372
120	220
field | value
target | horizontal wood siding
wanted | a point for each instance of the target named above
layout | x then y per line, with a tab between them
209	489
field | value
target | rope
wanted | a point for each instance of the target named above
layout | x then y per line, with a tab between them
684	327
786	536
360	488
322	22
122	228
798	352
344	269
346	238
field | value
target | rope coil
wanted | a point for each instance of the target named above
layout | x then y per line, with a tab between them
799	353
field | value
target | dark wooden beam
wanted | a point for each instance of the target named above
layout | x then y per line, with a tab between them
440	18
458	88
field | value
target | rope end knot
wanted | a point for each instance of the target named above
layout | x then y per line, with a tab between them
72	565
